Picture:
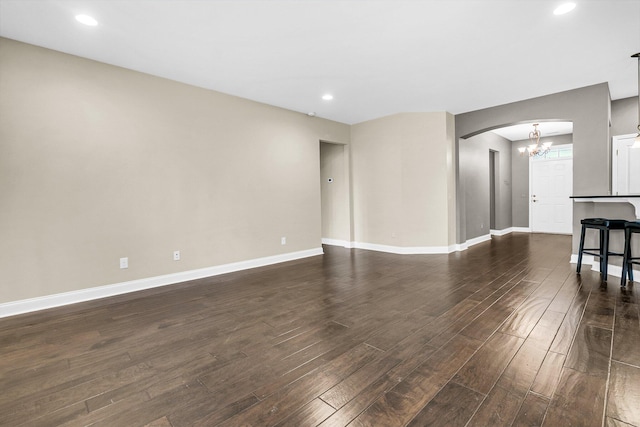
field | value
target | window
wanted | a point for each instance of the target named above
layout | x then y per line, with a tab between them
557	152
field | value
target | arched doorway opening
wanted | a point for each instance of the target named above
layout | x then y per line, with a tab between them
496	178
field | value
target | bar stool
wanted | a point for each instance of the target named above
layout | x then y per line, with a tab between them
604	225
628	260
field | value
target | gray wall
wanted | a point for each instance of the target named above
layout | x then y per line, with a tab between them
624	116
588	108
520	178
474	172
624	121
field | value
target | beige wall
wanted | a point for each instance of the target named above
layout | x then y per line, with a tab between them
452	171
403	179
98	162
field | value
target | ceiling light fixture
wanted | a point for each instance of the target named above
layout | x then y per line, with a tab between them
636	143
535	148
564	8
327	97
86	20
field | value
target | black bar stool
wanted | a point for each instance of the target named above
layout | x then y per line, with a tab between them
604	226
630	227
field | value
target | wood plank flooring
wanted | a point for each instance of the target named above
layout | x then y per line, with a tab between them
503	334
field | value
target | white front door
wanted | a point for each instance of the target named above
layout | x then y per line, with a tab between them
551	209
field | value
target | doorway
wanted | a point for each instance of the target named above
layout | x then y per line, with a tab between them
334	194
493	179
551	185
625	166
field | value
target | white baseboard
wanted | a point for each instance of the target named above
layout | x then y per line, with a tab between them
405	250
425	250
410	250
586	260
337	242
57	300
486	237
594	263
421	250
476	240
521	229
501	232
510	230
402	250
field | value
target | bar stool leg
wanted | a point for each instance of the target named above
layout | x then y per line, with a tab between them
626	268
630	265
604	250
581	248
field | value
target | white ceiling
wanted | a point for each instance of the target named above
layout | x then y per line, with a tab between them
376	57
547	129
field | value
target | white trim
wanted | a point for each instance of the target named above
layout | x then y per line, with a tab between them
541	159
594	263
553	148
421	250
471	242
616	142
510	230
586	260
616	271
425	250
476	240
501	232
337	242
402	250
57	300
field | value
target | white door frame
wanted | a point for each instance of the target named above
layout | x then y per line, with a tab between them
531	160
617	140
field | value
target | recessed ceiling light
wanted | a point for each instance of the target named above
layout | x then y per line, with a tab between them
327	97
564	8
86	20
311	114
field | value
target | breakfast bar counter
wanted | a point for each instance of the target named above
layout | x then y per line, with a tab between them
631	199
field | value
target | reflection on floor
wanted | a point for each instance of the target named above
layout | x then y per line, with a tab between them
504	333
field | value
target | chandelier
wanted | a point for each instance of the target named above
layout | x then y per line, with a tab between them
535	148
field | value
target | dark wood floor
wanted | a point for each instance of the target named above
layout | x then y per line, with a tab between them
504	333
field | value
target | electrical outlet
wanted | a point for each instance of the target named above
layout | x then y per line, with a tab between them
283	240
176	255
124	262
